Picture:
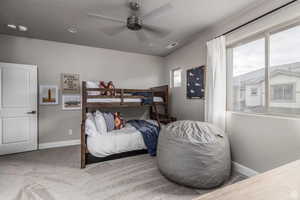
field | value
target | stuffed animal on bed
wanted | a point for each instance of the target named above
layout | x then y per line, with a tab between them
119	122
110	86
102	85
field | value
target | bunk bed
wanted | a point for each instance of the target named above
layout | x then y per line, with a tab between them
94	99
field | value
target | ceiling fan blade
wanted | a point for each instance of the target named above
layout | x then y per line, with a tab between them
142	36
112	31
161	32
158	11
103	17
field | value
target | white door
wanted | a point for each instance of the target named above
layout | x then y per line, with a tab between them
18	108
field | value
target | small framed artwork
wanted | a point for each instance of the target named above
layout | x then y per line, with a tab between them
48	95
71	102
70	83
195	83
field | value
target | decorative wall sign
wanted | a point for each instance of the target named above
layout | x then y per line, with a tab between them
70	83
48	95
71	102
195	83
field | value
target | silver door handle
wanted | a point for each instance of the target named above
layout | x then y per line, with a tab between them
31	112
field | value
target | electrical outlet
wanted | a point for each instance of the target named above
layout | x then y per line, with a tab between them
70	132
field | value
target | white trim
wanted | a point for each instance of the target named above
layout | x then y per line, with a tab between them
266	115
243	170
59	144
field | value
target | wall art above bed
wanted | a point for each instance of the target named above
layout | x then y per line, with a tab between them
195	86
70	83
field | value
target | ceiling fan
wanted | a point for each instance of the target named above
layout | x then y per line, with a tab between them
134	22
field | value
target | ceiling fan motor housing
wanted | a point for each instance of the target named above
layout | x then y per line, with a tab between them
134	23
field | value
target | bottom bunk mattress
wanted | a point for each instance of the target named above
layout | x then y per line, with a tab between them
118	141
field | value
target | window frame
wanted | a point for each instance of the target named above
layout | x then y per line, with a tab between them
268	99
172	72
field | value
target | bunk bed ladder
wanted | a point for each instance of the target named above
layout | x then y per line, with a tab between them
156	113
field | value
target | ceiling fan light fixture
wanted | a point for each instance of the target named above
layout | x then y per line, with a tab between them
172	45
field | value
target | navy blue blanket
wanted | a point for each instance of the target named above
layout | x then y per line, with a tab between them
148	97
150	134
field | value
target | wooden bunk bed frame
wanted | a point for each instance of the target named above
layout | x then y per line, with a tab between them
162	91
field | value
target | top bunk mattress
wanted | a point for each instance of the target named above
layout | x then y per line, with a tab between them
118	100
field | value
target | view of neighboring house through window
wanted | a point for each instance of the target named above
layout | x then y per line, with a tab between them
248	67
285	71
176	77
248	76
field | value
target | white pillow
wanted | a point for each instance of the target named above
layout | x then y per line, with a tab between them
100	122
93	84
90	126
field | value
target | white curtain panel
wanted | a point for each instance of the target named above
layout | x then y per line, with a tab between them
215	102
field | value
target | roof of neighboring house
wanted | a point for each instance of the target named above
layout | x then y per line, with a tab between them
258	76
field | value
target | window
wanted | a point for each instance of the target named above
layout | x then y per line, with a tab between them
254	91
282	92
285	71
264	73
248	71
176	78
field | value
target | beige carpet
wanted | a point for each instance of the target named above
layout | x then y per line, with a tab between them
54	174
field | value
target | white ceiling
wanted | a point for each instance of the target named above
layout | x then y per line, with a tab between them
50	19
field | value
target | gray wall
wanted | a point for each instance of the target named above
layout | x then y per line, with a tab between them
187	57
258	142
127	70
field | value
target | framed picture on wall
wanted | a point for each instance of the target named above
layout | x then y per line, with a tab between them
71	102
48	95
70	83
195	86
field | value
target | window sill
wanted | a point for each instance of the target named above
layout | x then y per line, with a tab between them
268	115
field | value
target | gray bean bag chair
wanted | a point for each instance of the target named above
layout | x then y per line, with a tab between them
194	154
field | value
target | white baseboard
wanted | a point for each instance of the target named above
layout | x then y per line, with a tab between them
243	169
59	144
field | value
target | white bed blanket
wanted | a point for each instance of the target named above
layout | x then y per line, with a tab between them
117	141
